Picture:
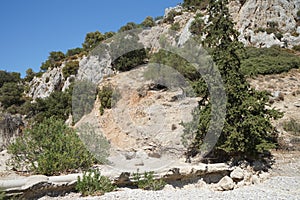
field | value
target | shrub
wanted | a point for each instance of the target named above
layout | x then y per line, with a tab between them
197	25
50	148
264	61
92	183
292	126
199	4
171	15
73	52
146	181
8	77
29	75
108	97
11	94
148	22
128	26
56	56
175	26
70	68
296	47
92	39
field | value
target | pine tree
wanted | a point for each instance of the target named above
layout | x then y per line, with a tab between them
247	130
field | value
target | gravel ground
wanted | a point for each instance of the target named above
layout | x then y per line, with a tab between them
276	188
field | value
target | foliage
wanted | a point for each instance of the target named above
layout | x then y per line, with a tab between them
73	52
92	39
83	99
148	22
29	75
56	56
175	26
171	15
108	97
49	148
57	105
7	77
197	25
46	65
11	94
200	4
146	181
264	61
247	130
292	126
70	68
129	26
296	47
92	183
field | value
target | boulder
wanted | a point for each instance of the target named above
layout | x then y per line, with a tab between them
237	174
226	183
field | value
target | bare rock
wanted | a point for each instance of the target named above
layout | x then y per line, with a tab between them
226	183
255	179
237	174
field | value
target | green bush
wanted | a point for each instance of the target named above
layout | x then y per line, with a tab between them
73	52
29	75
50	148
92	183
296	47
148	22
7	77
92	39
11	93
292	126
129	26
175	26
264	61
198	4
70	68
108	97
170	17
197	25
146	181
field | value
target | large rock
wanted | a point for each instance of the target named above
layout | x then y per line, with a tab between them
226	183
237	174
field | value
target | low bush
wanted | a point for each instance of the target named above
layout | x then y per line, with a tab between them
272	60
175	26
92	183
70	68
50	148
292	126
146	181
170	17
108	97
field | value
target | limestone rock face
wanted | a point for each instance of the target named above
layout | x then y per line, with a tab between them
262	14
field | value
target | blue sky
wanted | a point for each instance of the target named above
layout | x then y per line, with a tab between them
30	29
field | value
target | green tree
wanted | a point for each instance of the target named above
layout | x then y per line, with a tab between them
50	148
129	26
56	56
73	52
6	77
148	22
201	4
29	75
92	39
11	94
71	68
247	130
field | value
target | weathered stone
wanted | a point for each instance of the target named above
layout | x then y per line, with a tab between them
226	183
237	174
255	179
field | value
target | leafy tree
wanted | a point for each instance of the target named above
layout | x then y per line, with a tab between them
73	52
11	94
29	75
6	77
129	26
109	34
247	130
148	22
92	39
50	148
46	65
56	56
201	4
71	68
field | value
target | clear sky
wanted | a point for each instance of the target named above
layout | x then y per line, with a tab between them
30	29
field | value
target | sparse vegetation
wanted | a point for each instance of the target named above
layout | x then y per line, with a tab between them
292	126
93	183
175	26
49	148
71	68
146	181
148	22
108	97
196	4
171	15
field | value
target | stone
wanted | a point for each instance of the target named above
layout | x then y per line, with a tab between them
169	187
237	174
264	176
255	179
226	183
